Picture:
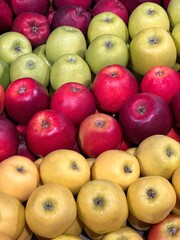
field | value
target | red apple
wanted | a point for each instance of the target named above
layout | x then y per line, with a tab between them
74	100
73	16
143	115
6	17
112	86
34	26
23	98
174	133
86	4
9	139
167	229
99	132
165	4
49	130
40	6
115	6
175	106
161	80
2	95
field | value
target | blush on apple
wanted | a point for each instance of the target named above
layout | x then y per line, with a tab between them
74	100
34	26
175	106
143	115
86	4
99	132
6	17
49	130
23	98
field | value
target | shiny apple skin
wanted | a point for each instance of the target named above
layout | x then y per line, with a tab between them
6	17
86	4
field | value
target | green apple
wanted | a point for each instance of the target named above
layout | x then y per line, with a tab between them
12	45
4	74
147	14
105	50
40	51
30	65
65	39
176	37
107	23
70	67
173	11
150	47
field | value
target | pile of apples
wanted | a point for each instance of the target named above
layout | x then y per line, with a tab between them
90	119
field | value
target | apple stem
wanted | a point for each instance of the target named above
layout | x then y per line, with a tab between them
48	206
127	169
98	201
172	230
20	169
169	152
151	193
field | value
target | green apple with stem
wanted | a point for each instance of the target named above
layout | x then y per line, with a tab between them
4	74
65	39
147	14
150	47
30	65
173	10
107	23
70	67
105	50
13	45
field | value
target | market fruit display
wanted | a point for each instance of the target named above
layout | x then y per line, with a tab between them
90	119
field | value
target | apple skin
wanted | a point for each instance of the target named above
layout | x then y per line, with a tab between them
49	130
40	6
174	133
112	86
9	139
23	98
73	16
175	106
165	3
143	115
34	26
2	95
99	132
114	6
167	229
81	3
161	80
6	17
74	100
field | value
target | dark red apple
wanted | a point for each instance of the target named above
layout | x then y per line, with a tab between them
6	17
112	86
2	95
49	130
165	4
174	133
74	100
34	26
175	105
23	98
9	139
99	132
114	6
86	4
73	16
40	6
143	115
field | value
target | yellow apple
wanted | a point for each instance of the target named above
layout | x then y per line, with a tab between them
173	10
176	181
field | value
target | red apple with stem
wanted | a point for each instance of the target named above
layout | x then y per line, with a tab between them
74	100
49	130
99	132
143	115
34	26
175	106
86	4
6	17
23	98
112	86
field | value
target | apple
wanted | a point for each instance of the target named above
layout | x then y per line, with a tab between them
4	74
114	6
165	4
150	48
147	14
34	26
175	106
70	67
40	6
161	80
13	45
167	229
99	132
143	115
24	97
81	3
9	139
40	51
49	130
65	39
175	33
2	95
173	12
6	17
107	23
105	50
174	133
74	100
32	66
71	15
112	86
